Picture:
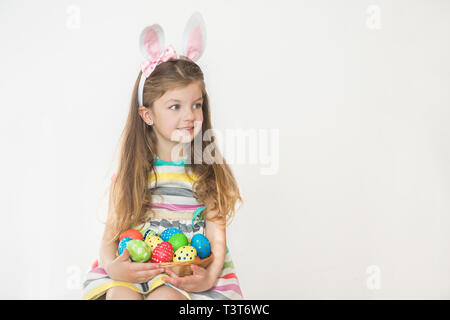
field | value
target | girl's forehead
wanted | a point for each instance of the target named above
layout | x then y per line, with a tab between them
190	92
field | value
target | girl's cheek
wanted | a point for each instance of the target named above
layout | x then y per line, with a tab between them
170	122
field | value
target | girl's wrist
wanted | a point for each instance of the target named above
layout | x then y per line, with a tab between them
212	279
106	266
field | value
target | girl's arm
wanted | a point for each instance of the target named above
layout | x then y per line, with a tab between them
121	268
216	234
107	248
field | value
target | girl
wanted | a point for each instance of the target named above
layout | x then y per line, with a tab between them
168	177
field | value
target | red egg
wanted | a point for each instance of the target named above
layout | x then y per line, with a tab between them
162	253
133	234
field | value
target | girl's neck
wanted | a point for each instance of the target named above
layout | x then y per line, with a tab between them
166	155
168	159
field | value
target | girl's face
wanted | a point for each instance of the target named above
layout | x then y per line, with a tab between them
177	115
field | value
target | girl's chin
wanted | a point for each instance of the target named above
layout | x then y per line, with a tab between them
185	137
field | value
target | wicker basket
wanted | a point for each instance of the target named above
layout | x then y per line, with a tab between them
182	269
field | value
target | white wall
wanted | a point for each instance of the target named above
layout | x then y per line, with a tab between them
358	91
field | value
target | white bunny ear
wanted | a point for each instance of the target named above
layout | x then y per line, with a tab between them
151	41
194	37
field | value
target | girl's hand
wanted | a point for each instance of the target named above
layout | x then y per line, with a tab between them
199	281
123	269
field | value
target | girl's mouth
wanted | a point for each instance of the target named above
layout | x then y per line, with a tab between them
187	129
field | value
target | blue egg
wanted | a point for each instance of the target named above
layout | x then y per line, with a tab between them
202	245
123	244
166	234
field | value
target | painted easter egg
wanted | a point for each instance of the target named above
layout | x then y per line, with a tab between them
142	231
153	241
202	245
148	232
178	240
162	253
186	253
139	250
132	233
166	234
123	244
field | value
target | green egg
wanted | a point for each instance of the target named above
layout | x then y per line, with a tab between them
178	240
139	250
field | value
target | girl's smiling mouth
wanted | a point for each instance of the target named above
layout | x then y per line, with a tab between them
187	129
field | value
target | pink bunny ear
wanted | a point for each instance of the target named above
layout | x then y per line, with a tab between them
194	37
151	41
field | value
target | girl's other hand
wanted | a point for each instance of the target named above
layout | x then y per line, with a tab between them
123	269
199	281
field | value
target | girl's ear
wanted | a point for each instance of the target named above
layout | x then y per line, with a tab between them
194	37
151	41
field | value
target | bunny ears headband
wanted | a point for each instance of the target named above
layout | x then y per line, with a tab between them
151	43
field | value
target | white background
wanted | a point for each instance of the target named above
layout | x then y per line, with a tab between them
359	91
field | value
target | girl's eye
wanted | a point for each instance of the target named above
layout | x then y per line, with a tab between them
176	105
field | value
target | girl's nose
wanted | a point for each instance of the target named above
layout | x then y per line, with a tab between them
189	114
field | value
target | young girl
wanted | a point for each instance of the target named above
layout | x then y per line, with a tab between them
168	177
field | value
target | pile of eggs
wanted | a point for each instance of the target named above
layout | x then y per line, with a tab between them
171	246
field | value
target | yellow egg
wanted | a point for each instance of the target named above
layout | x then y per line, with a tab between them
186	253
153	241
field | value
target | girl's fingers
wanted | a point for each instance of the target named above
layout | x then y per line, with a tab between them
147	275
153	273
175	283
196	270
125	255
173	279
145	266
170	273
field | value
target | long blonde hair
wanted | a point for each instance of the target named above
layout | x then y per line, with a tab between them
130	196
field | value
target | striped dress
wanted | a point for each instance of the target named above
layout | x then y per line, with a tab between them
174	205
